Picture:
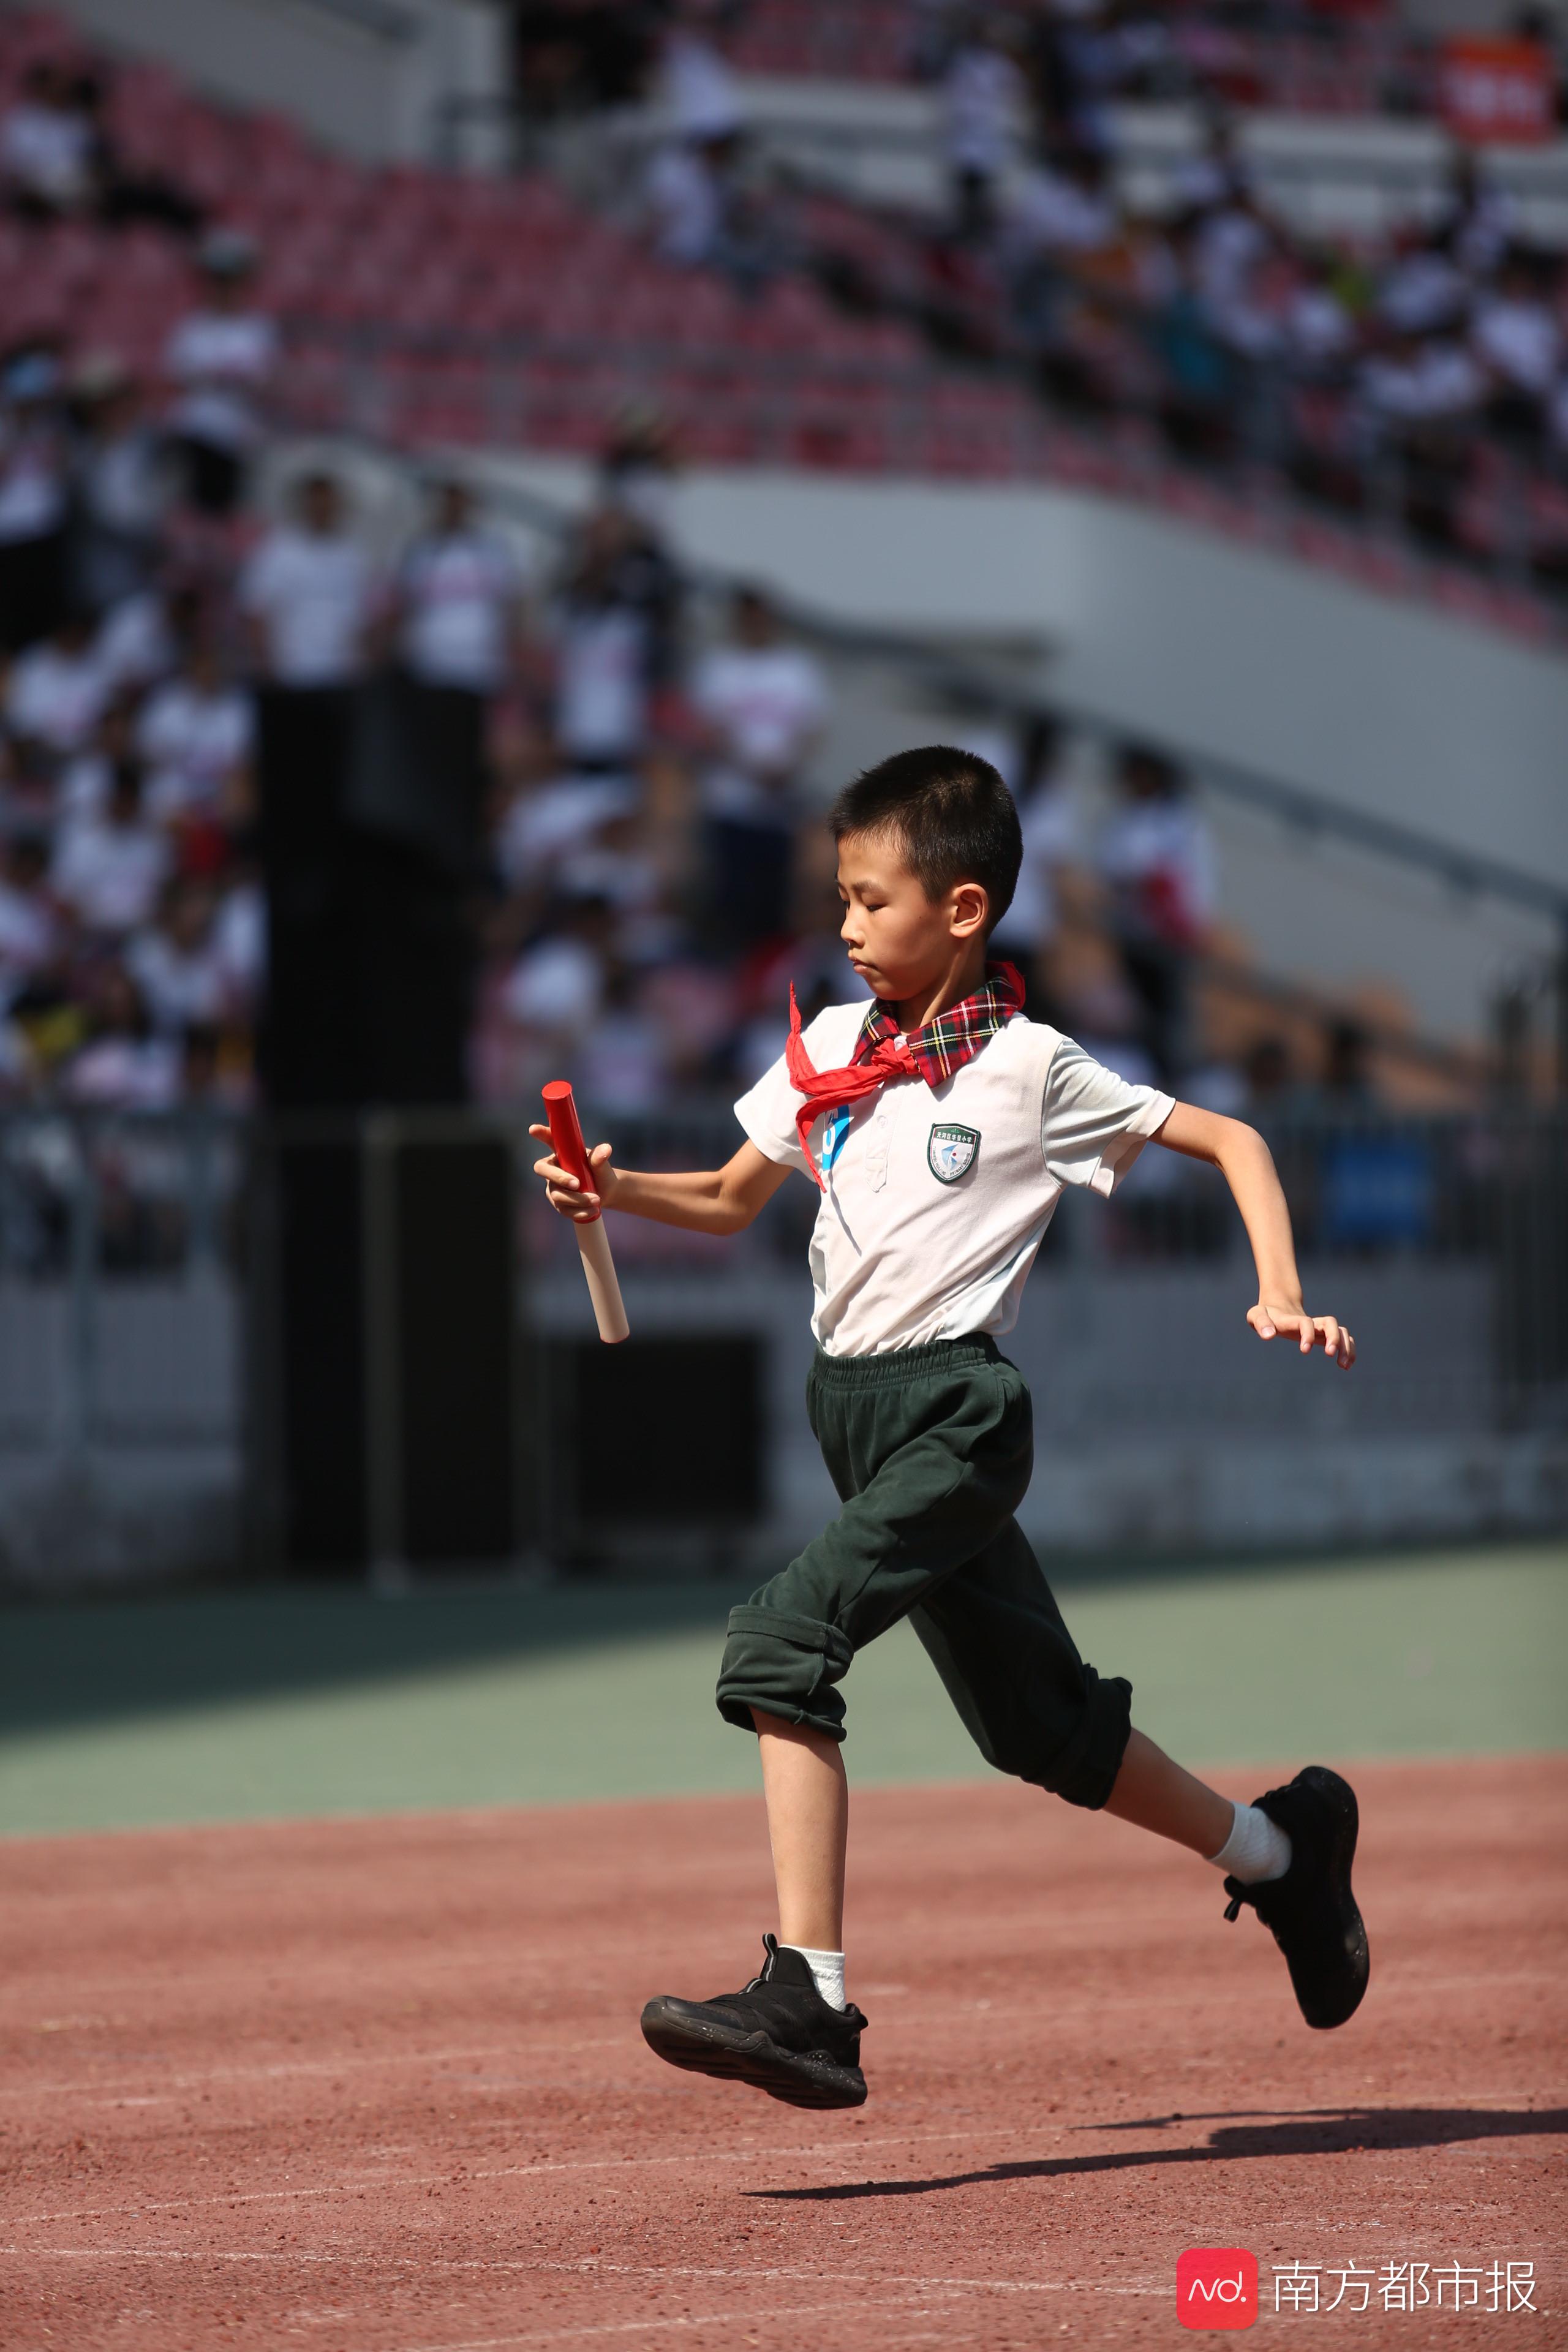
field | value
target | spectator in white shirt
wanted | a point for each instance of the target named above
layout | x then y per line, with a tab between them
135	641
1424	290
1479	217
554	992
1063	206
109	867
196	734
239	941
1419	400
981	93
454	617
1157	859
623	1065
58	690
1062	213
685	196
699	92
1412	384
29	933
458	599
1217	176
46	147
553	820
1230	251
175	962
307	592
1516	338
122	486
123	1064
308	598
1320	333
763	703
221	359
610	621
84	781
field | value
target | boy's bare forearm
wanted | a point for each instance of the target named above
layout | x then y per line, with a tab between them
1245	1162
700	1200
704	1200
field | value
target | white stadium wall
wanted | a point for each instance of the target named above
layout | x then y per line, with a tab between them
1386	705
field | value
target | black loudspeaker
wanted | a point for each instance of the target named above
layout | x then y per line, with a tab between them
389	1420
663	1434
371	802
453	1300
316	1199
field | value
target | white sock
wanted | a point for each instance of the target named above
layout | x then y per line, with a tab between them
827	1968
1256	1849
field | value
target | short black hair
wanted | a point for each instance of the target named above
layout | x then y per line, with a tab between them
951	814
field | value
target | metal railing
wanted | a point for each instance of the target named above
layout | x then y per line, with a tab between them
128	1435
122	1255
1450	1226
120	1243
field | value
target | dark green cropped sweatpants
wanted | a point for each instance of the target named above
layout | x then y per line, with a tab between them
931	1450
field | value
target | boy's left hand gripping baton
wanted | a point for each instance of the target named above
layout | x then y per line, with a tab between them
571	1153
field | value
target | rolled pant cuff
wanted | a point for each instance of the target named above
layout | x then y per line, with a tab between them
784	1665
1084	1771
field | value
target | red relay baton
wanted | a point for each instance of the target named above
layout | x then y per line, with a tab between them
599	1267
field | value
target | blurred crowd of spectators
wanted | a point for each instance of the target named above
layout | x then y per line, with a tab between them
575	56
131	929
1351	365
1401	375
655	871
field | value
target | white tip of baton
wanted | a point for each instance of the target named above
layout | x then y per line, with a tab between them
604	1290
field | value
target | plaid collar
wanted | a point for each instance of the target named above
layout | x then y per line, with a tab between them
955	1036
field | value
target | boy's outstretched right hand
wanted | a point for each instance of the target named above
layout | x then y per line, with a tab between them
562	1192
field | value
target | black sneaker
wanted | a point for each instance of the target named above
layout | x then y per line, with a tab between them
1311	1912
779	2034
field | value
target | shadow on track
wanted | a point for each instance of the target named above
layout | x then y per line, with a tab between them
1306	2132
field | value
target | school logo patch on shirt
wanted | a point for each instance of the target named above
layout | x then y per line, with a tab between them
951	1152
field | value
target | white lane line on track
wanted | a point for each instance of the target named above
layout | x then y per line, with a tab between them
276	2069
910	2015
592	2267
815	2276
917	2303
843	2153
686	2320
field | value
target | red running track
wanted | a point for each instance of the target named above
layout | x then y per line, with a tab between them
378	2086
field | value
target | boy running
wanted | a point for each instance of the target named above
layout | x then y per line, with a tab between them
941	1125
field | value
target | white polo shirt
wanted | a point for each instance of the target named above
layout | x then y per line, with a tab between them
935	1198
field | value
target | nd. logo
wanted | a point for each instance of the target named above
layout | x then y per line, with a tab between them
1216	2286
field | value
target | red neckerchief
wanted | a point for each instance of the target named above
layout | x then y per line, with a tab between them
932	1052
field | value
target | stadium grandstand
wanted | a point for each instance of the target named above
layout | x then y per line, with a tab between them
1388	398
326	472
